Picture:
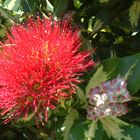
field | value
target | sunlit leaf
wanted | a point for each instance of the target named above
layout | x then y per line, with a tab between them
98	77
4	13
112	126
96	26
69	120
49	6
90	133
77	3
134	13
12	4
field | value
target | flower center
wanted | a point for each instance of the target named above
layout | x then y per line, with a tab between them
36	87
29	98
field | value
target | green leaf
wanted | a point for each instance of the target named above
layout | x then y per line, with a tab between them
133	131
2	32
49	6
77	131
81	95
60	6
24	122
69	121
134	13
127	66
90	133
111	66
99	132
98	24
12	4
90	24
77	3
83	130
4	13
131	64
103	1
28	5
112	126
98	77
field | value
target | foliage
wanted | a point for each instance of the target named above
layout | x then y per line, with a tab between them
112	29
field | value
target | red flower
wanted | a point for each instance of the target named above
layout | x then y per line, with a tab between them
39	65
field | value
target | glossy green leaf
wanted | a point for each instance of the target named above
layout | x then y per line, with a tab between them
78	129
60	6
28	5
129	65
133	131
83	130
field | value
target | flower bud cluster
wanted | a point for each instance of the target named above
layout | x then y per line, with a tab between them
108	99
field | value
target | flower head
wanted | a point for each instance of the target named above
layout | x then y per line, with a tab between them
39	65
108	99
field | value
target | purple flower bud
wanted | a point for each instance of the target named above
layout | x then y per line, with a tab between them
108	99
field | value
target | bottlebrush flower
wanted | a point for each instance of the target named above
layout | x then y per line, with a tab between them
40	64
